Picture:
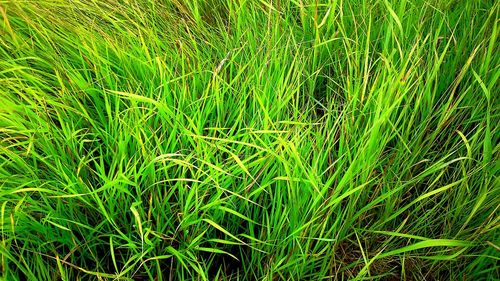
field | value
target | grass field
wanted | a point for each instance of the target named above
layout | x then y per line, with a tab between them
249	140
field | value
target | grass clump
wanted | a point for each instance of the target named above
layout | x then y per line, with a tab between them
249	140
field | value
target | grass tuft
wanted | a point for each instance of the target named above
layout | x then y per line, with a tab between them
249	140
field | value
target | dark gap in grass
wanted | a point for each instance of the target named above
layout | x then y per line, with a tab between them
349	253
322	95
224	262
216	15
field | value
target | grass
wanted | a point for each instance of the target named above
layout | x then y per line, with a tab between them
249	140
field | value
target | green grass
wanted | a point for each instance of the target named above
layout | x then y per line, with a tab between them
249	140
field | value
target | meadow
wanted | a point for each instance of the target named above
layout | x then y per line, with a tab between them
249	140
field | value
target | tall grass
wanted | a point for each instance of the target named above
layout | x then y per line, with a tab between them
249	140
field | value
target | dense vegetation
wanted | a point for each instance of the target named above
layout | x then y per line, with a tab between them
249	140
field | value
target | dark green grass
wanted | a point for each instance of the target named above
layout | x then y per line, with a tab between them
249	140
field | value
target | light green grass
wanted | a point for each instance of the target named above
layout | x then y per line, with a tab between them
249	140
